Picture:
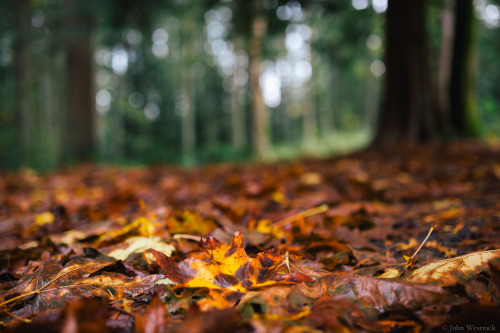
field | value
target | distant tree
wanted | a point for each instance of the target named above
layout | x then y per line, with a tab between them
80	122
464	118
187	90
260	121
23	73
409	110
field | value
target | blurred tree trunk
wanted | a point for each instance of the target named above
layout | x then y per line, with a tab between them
260	124
23	72
409	112
371	97
309	120
445	60
309	114
52	91
187	98
238	129
463	110
326	84
80	116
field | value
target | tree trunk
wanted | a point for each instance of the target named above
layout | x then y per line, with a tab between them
309	121
79	136
52	92
445	60
238	129
23	72
260	124
463	114
409	111
188	92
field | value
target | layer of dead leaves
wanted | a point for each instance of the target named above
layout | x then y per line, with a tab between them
309	246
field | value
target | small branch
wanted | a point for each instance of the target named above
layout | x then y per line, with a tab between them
425	240
304	214
27	321
411	260
186	236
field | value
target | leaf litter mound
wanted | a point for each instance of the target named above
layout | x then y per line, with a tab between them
371	242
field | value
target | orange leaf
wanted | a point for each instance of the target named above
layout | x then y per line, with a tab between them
230	268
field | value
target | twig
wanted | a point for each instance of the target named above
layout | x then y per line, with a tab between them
186	236
411	260
285	261
309	212
27	321
425	240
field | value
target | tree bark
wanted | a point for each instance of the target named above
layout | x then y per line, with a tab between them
80	116
238	129
188	92
23	72
409	110
463	110
260	126
445	61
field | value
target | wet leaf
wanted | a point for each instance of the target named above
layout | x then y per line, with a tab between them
374	294
230	268
48	286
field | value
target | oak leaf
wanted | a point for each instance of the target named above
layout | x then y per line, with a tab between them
230	268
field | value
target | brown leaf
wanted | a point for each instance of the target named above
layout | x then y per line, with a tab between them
376	295
451	271
154	320
80	315
48	286
213	321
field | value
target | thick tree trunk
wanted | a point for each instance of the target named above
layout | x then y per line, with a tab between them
80	121
260	126
409	110
463	110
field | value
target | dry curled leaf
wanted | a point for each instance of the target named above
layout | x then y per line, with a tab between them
451	271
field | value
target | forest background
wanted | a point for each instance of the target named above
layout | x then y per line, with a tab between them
191	82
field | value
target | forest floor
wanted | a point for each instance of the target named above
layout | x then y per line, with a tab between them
312	245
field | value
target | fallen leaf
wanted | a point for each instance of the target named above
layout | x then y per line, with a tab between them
451	271
374	294
230	268
48	286
154	319
140	245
